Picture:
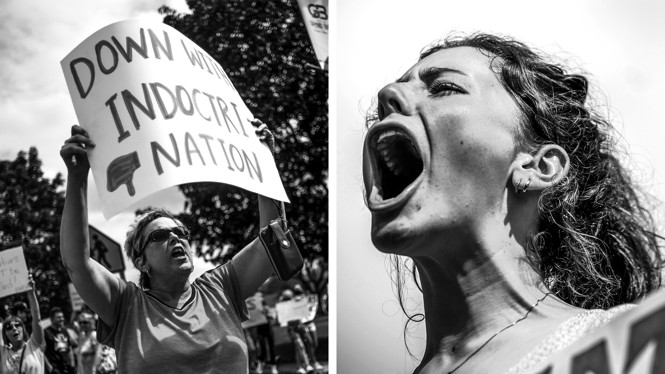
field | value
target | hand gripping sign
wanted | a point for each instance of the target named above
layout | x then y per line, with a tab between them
162	112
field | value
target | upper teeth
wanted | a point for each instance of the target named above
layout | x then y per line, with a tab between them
389	154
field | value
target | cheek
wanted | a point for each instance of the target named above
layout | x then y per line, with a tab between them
472	159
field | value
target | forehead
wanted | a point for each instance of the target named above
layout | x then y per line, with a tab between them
466	61
160	223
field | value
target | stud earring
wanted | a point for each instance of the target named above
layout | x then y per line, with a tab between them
526	185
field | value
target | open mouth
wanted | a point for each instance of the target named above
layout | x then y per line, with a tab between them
178	252
397	162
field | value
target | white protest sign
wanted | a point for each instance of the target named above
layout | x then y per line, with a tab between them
632	343
74	297
298	309
255	309
162	112
315	17
13	272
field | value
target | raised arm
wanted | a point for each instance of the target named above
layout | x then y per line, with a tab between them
97	286
252	264
37	332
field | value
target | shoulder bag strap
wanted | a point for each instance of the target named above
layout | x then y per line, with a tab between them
20	362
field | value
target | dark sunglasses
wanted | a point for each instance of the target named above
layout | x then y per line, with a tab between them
161	235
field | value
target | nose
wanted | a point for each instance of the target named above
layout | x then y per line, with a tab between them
393	99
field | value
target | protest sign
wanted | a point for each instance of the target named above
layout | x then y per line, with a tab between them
255	309
162	112
13	272
315	16
632	343
74	297
299	309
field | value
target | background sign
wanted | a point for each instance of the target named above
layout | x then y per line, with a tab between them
13	272
315	16
633	343
75	298
299	309
106	251
162	112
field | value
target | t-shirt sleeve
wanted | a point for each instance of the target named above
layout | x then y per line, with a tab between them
224	277
106	334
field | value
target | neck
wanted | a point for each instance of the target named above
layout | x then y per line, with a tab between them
18	345
473	289
174	291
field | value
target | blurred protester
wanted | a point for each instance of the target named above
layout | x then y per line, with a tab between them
307	331
294	330
91	356
21	310
59	344
265	340
21	354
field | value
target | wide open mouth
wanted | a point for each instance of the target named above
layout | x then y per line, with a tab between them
178	252
397	162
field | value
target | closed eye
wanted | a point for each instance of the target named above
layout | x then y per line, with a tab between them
444	88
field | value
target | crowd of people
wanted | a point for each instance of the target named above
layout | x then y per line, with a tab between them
302	333
60	348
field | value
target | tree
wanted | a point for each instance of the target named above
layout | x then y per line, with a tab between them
30	209
264	48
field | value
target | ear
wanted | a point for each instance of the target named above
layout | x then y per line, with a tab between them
545	168
141	264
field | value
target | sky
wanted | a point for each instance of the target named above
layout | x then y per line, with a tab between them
34	101
620	45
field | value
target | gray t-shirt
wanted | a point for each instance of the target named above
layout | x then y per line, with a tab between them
203	336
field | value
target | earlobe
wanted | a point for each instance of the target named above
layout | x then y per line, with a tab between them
547	167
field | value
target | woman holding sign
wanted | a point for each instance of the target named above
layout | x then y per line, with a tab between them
23	354
485	165
168	324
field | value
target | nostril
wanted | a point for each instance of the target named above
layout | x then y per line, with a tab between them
395	104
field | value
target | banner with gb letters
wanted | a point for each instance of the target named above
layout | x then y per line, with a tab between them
315	16
162	112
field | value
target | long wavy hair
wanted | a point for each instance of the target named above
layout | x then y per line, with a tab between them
595	244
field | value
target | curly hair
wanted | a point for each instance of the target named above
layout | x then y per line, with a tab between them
133	242
595	244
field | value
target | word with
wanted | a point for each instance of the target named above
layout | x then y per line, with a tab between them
170	102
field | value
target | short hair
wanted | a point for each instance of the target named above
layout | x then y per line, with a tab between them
55	310
133	241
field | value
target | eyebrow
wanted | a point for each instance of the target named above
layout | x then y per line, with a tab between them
429	73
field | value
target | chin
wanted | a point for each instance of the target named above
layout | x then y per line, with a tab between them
395	236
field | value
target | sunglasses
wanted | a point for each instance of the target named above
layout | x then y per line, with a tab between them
161	235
